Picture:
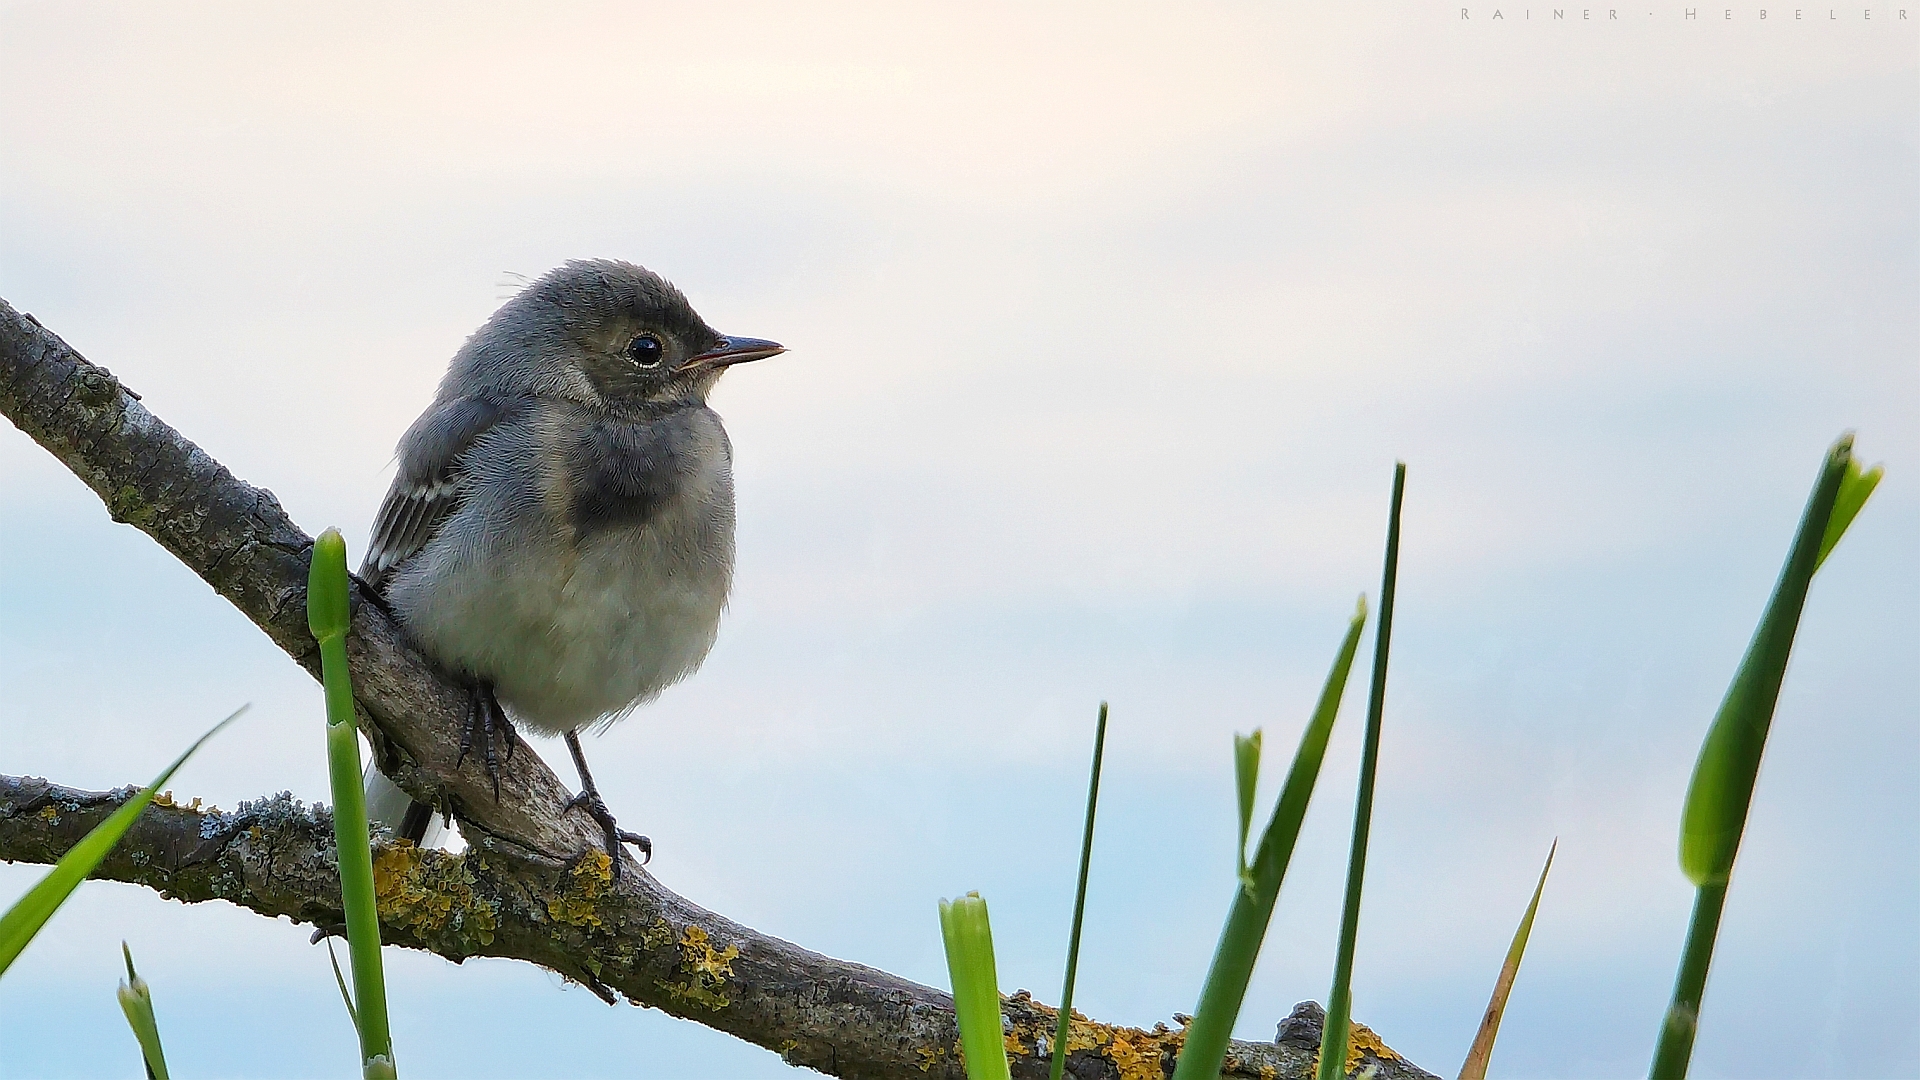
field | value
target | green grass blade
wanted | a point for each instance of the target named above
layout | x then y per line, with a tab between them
1246	777
25	918
1247	917
1478	1055
340	980
1723	778
1855	488
976	987
1333	1038
1721	791
1674	1049
328	617
136	1000
1064	1029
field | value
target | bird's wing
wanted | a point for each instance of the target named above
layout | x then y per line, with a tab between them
431	482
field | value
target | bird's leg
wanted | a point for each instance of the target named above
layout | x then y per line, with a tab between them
488	722
590	801
370	593
413	827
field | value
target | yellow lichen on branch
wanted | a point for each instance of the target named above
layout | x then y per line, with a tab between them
430	892
707	970
577	904
1362	1044
1136	1054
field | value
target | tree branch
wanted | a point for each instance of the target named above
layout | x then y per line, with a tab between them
523	889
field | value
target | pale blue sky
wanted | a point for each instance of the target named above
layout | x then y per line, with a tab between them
1107	324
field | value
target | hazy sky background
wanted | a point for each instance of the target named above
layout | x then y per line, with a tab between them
1107	323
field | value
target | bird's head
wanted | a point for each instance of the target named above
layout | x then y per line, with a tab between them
607	333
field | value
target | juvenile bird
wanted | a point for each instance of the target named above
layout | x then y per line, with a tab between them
560	530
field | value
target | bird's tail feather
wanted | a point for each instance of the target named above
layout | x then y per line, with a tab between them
388	805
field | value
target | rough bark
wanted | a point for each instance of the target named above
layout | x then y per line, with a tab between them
523	889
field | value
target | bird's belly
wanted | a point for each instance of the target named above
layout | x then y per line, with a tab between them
585	633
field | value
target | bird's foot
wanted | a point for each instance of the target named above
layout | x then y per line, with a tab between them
487	724
596	809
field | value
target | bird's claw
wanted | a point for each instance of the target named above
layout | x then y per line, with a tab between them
596	809
488	724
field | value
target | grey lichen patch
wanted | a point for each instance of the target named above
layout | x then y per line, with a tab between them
430	893
227	885
269	814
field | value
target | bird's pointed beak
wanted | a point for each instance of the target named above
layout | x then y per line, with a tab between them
735	350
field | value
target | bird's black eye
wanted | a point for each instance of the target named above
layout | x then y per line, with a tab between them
646	351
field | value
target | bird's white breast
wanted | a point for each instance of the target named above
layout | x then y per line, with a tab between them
573	628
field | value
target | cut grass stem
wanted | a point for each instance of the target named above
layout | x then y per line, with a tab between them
328	616
976	987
